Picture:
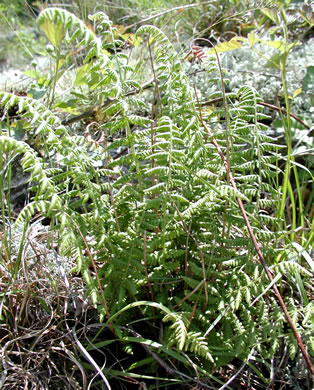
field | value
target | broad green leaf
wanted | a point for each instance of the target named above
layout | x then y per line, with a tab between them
247	28
275	44
275	61
36	92
55	31
279	45
68	106
233	44
297	92
83	75
252	39
271	14
136	41
31	73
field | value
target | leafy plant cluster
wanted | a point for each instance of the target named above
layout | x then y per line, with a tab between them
155	229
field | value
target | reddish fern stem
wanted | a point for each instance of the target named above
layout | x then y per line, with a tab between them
258	251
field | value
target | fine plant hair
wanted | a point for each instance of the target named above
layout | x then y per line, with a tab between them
156	232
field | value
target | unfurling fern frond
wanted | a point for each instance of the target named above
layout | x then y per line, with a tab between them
154	35
59	24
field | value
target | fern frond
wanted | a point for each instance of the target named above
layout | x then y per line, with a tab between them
57	23
179	326
196	343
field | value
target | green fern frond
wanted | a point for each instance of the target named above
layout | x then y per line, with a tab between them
291	267
154	34
179	325
196	343
57	22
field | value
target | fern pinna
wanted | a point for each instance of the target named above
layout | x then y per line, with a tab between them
159	223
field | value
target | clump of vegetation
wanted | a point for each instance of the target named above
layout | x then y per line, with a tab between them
186	219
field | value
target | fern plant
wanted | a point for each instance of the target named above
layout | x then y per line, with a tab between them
156	231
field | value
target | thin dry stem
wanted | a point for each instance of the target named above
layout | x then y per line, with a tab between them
145	265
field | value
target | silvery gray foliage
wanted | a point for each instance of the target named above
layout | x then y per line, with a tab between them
39	258
247	68
244	67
